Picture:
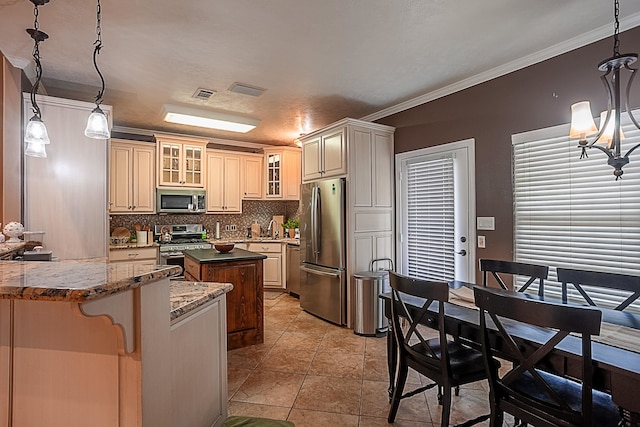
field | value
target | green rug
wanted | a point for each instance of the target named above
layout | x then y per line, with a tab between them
236	421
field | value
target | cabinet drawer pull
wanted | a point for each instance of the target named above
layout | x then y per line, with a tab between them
133	255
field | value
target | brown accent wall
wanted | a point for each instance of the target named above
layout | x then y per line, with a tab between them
535	97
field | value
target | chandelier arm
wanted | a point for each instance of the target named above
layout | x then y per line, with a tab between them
631	150
608	152
627	94
609	90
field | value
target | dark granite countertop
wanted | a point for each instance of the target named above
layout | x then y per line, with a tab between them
208	256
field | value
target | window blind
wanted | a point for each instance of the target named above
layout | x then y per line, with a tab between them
570	212
430	219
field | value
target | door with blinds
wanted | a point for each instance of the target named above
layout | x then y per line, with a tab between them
436	211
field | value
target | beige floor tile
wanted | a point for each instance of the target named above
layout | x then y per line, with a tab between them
279	322
376	346
471	403
282	359
299	341
382	422
376	368
311	325
339	343
330	394
306	418
375	403
271	336
342	365
270	388
247	357
256	410
235	378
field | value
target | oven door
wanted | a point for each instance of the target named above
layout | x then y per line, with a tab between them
173	258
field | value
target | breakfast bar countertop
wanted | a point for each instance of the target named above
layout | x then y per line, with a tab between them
186	296
76	280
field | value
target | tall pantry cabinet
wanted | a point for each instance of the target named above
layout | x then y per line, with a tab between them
362	153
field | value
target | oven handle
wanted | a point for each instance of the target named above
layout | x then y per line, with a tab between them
171	255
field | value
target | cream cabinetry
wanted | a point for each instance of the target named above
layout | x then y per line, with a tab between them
252	174
131	177
223	182
325	155
181	161
274	266
144	255
282	173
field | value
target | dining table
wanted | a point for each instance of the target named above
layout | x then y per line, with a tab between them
615	352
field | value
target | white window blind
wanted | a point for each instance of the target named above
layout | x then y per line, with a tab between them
430	219
570	212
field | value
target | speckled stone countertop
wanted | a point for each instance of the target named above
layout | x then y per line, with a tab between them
75	281
134	245
187	296
8	248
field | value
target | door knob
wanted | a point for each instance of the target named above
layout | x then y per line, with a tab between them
462	252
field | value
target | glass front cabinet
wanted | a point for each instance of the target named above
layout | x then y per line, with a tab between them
283	173
181	161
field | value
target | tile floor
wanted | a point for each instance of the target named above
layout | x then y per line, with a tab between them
313	373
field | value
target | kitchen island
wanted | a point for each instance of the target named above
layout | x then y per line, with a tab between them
245	303
92	343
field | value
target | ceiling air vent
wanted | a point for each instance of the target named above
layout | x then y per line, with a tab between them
246	89
205	94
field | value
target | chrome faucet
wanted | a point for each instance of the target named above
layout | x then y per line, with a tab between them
275	235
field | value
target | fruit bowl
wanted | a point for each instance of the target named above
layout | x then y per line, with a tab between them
223	248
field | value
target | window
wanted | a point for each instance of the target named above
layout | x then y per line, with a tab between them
570	212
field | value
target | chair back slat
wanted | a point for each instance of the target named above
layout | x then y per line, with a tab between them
528	388
579	278
532	271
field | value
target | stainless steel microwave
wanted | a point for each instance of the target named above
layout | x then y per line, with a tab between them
181	200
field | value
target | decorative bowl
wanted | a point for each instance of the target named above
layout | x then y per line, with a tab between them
223	248
13	230
119	240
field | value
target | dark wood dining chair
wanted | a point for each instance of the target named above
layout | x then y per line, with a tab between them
532	271
580	278
447	363
529	390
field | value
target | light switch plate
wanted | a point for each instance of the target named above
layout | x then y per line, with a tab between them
481	242
486	223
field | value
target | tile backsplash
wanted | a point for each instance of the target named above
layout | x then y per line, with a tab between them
252	210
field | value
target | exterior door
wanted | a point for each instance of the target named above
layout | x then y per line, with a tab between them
436	212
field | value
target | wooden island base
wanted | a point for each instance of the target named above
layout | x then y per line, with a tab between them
245	303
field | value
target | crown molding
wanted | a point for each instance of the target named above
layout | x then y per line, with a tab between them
584	39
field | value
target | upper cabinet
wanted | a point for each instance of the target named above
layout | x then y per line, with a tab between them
181	161
131	177
283	173
325	155
252	173
223	182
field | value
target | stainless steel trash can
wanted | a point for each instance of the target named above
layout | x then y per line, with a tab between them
368	285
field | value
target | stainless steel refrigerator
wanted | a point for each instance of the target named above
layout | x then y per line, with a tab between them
323	250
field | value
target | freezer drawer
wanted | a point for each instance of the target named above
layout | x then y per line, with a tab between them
323	292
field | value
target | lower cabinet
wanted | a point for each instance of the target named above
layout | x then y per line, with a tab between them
275	264
145	255
199	378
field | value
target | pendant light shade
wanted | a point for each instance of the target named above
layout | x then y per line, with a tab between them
35	149
36	132
97	125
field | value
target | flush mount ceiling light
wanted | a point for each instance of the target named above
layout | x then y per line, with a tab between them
35	136
97	124
582	124
208	119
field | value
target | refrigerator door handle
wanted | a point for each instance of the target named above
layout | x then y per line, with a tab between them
313	220
318	224
319	272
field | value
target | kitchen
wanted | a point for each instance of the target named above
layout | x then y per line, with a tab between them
421	126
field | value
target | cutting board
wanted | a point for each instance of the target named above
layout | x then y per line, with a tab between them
255	230
279	219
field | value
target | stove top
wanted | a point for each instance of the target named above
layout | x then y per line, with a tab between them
183	241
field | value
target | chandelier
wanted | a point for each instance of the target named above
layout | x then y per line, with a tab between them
35	135
610	133
97	125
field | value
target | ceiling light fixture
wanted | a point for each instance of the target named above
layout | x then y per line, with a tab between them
208	119
582	124
35	136
97	124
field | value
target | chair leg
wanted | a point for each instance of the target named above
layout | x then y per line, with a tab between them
446	407
457	390
440	394
496	418
403	371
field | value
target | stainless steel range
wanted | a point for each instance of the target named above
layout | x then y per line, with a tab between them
174	239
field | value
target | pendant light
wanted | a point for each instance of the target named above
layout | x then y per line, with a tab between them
582	124
35	135
97	124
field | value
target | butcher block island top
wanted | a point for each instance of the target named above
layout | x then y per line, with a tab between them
245	303
111	344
